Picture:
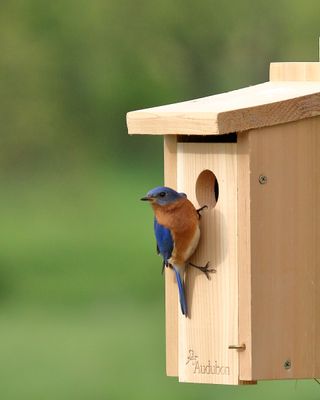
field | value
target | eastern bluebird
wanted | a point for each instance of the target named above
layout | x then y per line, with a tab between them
176	227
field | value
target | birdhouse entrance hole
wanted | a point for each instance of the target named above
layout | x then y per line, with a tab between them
207	189
207	186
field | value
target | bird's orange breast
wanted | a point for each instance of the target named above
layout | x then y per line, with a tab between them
182	219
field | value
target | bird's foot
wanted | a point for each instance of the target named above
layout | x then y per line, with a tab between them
204	269
165	264
200	209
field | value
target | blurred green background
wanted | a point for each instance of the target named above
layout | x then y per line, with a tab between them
81	294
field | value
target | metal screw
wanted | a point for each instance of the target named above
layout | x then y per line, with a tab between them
239	347
287	364
263	179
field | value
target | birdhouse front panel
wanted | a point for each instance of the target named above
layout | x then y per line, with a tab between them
207	172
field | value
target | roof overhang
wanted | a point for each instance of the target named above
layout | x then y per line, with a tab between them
292	94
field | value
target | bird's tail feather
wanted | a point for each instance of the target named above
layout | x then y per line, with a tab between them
182	295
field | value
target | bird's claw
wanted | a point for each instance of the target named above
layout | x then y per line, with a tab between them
204	269
165	264
200	209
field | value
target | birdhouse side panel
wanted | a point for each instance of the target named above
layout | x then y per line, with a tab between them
285	257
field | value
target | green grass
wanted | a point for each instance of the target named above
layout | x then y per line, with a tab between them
76	240
81	294
104	353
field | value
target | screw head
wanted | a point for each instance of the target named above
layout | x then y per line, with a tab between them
263	179
287	364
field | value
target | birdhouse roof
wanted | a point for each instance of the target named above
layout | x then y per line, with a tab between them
267	104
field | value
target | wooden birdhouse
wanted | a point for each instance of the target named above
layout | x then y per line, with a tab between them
253	157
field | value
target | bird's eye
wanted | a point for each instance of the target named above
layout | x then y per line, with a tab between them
162	194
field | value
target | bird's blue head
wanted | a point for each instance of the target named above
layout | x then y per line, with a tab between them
163	196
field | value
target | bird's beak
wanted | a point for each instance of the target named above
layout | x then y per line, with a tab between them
147	198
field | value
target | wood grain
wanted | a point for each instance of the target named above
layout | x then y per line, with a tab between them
244	257
171	292
267	104
295	71
204	337
285	258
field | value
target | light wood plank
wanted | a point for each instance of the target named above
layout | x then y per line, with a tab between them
204	337
244	257
295	71
171	294
285	224
267	104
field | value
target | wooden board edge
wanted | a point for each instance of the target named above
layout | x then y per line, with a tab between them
270	114
244	258
171	293
294	71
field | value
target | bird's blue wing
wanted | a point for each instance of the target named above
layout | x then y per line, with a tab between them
164	247
164	241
